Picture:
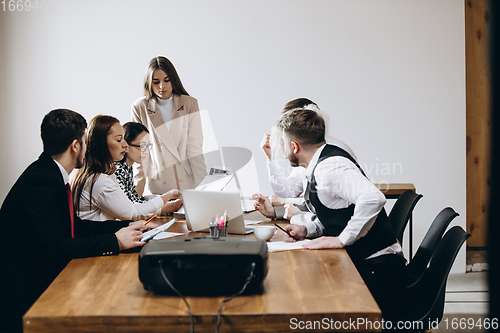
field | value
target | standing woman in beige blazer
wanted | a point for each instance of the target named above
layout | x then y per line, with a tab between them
173	120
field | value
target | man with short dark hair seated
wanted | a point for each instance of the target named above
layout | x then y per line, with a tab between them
39	230
343	207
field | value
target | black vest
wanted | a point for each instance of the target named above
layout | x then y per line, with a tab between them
380	235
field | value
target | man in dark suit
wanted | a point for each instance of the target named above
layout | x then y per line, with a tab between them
40	233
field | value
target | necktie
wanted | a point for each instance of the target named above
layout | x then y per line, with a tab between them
71	211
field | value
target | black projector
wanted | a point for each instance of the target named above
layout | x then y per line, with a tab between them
204	266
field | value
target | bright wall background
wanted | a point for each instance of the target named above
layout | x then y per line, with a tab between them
389	74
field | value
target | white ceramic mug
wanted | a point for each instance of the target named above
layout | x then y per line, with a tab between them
264	232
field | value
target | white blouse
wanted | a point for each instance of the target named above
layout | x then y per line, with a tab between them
165	106
109	202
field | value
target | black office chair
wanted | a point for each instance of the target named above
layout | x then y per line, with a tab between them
401	212
423	303
421	259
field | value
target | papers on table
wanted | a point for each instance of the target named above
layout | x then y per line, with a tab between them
167	234
249	222
286	246
247	206
153	232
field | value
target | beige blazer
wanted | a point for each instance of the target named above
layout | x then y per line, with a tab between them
176	158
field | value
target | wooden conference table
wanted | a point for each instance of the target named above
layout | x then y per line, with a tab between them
303	288
104	294
393	191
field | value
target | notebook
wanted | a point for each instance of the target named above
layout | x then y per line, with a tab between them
201	206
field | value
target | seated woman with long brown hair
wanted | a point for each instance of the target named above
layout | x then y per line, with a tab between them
97	195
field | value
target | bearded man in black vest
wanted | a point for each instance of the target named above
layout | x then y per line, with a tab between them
344	209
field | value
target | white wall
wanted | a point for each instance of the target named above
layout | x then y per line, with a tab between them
389	74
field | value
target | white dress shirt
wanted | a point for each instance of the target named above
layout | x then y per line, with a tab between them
340	183
109	202
63	172
293	186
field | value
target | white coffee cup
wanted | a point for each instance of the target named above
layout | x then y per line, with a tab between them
264	232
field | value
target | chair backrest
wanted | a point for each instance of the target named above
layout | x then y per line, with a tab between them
428	293
419	262
401	211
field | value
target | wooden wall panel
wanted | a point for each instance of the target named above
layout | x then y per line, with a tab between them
478	116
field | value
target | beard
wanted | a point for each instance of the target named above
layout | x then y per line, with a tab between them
294	161
79	161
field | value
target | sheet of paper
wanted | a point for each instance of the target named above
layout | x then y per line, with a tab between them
250	223
153	232
286	246
247	205
215	182
167	234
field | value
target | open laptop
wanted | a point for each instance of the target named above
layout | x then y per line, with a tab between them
201	206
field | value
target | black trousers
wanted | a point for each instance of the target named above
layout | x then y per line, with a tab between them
385	277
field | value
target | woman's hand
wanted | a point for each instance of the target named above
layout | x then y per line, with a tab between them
171	206
172	194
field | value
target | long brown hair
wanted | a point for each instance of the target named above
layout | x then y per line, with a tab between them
165	65
98	158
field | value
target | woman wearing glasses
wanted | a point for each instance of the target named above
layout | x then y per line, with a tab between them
97	195
173	120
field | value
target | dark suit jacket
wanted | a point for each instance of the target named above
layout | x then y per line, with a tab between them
36	243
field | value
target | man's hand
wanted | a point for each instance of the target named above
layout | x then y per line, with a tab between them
130	236
265	146
147	227
296	230
263	205
277	201
324	243
290	210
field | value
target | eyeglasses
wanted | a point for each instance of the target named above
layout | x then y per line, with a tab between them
143	147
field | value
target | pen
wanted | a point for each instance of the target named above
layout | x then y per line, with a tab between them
286	232
149	220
